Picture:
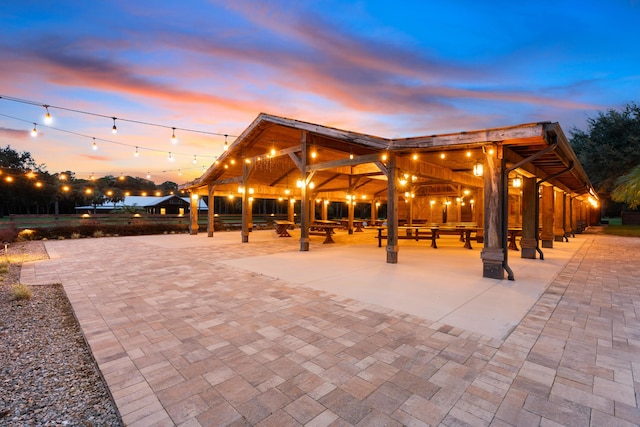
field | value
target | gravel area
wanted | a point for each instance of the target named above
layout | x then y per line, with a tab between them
47	374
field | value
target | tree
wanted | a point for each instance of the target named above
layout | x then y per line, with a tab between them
628	189
609	149
168	187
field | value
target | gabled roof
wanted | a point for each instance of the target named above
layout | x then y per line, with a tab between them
269	153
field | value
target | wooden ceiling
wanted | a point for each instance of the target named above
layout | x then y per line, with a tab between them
340	162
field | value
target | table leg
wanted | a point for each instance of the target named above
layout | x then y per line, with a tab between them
328	239
379	237
434	236
467	239
512	241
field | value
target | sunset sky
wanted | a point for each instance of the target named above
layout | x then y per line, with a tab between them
391	69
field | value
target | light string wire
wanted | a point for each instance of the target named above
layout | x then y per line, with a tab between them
140	122
106	140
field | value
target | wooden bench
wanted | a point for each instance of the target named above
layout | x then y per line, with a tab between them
431	232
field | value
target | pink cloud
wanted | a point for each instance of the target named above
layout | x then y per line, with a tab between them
14	133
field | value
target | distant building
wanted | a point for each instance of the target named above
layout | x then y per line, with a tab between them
165	205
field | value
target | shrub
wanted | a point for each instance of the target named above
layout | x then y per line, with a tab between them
75	235
4	267
21	292
27	234
98	233
9	234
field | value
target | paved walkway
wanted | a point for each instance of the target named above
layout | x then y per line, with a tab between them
184	335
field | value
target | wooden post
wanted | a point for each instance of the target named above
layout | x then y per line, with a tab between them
325	210
547	206
558	216
568	227
492	254
246	207
193	214
211	214
459	204
374	211
290	209
304	197
529	215
350	213
392	210
478	212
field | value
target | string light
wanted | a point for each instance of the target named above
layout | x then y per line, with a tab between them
95	146
195	160
114	129
47	116
26	101
226	144
179	172
34	131
174	140
171	159
136	154
148	175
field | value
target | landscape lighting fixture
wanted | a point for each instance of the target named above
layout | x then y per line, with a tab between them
47	116
34	131
114	129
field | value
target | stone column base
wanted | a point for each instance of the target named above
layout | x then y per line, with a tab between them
392	254
528	245
492	260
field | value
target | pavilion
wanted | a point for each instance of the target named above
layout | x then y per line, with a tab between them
524	177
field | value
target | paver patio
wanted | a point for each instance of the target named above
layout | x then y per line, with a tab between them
186	333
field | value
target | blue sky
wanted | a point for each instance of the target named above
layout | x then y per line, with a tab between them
392	69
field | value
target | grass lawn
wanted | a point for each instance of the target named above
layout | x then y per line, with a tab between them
615	228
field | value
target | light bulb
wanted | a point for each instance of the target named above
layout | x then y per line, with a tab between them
148	175
34	131
171	159
136	154
114	129
194	161
94	146
174	140
47	116
226	144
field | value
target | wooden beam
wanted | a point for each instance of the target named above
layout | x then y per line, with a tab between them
333	164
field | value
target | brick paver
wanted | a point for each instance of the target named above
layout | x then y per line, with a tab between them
183	339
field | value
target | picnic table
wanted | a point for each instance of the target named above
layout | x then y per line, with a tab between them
282	228
327	227
357	223
513	232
